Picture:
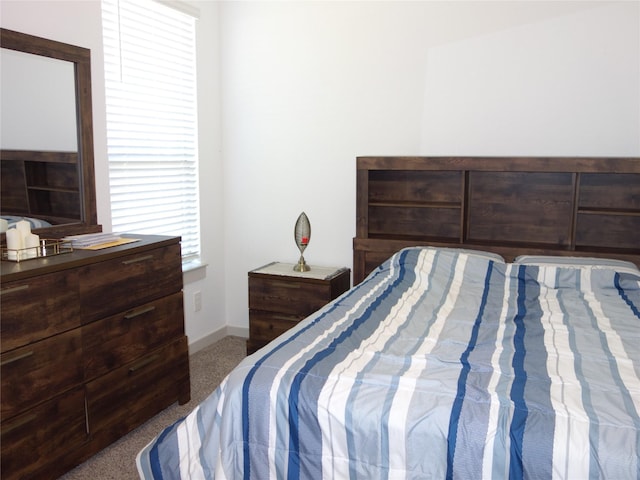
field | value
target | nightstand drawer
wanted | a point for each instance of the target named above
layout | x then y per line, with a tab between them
280	297
53	365
111	342
116	285
265	326
292	296
39	307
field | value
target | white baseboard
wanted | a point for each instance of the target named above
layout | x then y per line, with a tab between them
212	338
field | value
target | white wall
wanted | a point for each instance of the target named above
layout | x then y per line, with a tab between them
38	99
308	86
209	281
562	86
305	87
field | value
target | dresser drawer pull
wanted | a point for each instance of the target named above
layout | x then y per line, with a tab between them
86	415
18	423
143	363
285	285
138	312
16	358
14	289
138	259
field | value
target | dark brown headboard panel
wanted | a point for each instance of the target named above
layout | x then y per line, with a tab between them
511	206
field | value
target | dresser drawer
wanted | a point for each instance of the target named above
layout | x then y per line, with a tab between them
114	341
128	396
43	434
116	285
297	297
38	307
40	370
265	326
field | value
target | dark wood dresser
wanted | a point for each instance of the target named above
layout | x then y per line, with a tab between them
279	298
92	346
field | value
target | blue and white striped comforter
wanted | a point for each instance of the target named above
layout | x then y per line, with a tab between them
441	364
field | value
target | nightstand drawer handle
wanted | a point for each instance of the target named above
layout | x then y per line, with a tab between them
283	317
138	259
19	423
140	311
285	285
14	289
16	358
143	363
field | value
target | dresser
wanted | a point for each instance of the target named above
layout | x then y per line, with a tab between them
279	298
92	346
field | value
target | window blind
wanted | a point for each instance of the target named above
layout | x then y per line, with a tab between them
150	74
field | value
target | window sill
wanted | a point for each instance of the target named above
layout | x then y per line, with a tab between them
193	271
192	265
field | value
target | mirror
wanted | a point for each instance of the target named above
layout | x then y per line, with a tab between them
46	155
38	101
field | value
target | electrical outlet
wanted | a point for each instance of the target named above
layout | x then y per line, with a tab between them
197	301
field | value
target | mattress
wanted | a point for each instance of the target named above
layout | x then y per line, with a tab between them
441	364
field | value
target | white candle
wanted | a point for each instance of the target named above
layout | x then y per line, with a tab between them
31	243
23	227
4	225
14	243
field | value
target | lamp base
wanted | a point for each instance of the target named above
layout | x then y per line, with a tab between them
301	266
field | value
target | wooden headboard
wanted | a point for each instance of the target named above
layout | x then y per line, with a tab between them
507	205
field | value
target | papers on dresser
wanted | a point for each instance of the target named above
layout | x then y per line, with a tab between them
97	241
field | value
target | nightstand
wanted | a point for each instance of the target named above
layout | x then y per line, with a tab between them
279	297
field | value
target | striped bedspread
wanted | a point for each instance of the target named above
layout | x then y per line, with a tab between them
441	364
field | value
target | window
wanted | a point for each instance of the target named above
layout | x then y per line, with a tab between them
150	76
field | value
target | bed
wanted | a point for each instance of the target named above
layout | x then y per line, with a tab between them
12	221
466	349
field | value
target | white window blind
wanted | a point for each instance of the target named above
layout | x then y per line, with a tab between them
150	74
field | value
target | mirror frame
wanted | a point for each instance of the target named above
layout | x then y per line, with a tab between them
81	58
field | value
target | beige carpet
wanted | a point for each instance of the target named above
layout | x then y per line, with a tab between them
208	367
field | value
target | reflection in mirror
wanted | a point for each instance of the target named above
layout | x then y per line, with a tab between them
47	172
38	101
